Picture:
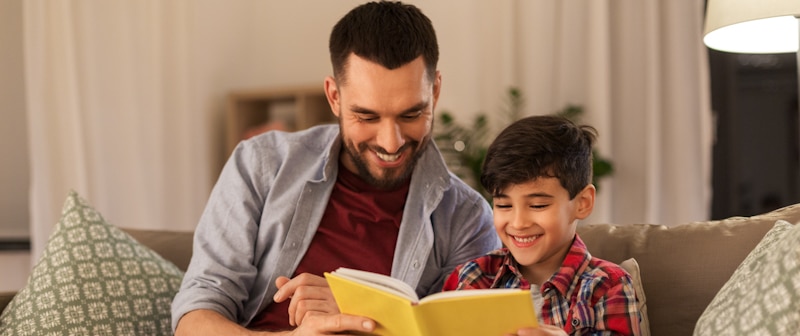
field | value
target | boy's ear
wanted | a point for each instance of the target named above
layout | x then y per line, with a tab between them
585	201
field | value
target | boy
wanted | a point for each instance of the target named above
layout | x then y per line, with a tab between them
539	172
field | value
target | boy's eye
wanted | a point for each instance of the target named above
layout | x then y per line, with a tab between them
539	206
502	206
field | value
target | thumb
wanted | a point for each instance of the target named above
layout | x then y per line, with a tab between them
280	296
280	281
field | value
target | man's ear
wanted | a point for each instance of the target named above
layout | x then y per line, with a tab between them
332	93
437	88
584	202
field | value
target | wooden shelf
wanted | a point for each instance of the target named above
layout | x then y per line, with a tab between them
250	112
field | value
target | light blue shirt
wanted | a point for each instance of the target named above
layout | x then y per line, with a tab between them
269	200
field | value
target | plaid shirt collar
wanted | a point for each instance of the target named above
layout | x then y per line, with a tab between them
575	262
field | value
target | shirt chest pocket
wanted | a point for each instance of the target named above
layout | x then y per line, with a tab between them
580	316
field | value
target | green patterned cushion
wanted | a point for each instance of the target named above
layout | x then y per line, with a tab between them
762	296
93	279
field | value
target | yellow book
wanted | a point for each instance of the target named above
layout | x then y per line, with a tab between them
397	310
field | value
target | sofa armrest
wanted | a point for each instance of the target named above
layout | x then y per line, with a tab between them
5	298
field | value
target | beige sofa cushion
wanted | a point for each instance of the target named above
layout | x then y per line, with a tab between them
682	266
175	246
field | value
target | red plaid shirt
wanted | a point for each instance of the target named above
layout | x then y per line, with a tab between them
586	296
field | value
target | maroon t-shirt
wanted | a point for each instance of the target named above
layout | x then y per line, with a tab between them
358	230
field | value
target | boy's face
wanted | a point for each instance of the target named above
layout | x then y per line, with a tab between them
385	117
536	221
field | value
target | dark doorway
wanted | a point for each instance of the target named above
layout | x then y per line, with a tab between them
755	156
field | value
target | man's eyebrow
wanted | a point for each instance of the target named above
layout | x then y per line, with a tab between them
363	110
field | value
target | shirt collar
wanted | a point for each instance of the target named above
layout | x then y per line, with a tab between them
576	260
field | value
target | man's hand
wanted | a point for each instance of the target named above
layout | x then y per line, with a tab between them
316	323
309	293
209	322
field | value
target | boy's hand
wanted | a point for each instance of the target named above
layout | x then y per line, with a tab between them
309	293
542	330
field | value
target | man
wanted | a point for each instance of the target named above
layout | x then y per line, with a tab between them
370	193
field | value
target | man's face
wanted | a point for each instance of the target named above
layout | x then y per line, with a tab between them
386	117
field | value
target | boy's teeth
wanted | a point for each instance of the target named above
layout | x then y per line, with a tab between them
388	157
525	239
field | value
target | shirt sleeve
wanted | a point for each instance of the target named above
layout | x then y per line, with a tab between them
617	312
451	283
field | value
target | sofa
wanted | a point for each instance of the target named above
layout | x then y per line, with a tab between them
682	267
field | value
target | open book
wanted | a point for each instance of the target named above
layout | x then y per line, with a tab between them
397	310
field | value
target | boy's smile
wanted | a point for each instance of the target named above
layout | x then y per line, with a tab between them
536	221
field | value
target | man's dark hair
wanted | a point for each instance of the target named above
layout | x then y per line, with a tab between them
391	34
540	146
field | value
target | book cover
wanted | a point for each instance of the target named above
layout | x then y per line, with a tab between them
397	310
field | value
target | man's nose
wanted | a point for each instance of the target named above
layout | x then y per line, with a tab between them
390	138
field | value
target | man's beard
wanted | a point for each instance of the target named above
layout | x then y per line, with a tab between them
392	177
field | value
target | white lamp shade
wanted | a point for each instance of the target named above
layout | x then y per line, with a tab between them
753	26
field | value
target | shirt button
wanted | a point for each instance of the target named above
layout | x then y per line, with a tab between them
415	264
575	322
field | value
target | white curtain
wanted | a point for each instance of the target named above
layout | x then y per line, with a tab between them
637	67
120	98
126	98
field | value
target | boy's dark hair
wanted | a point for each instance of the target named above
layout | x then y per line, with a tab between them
391	34
540	146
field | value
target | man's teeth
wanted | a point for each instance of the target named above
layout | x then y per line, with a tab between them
388	157
525	239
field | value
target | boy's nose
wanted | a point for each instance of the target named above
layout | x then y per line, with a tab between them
519	221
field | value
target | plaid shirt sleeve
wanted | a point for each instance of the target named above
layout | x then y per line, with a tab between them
615	311
591	296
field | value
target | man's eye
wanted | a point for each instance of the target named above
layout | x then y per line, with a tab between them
367	118
413	116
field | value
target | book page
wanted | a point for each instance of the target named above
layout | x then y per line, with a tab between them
463	293
380	281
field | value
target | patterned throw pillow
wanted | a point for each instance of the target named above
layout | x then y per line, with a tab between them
762	297
93	279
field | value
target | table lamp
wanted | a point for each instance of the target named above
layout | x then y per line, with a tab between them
753	26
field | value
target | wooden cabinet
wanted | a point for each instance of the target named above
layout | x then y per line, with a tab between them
250	112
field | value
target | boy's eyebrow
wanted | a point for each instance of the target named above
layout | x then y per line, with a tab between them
531	195
417	107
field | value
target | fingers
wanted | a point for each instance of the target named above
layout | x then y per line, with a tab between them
281	280
543	330
287	287
323	324
308	293
311	299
